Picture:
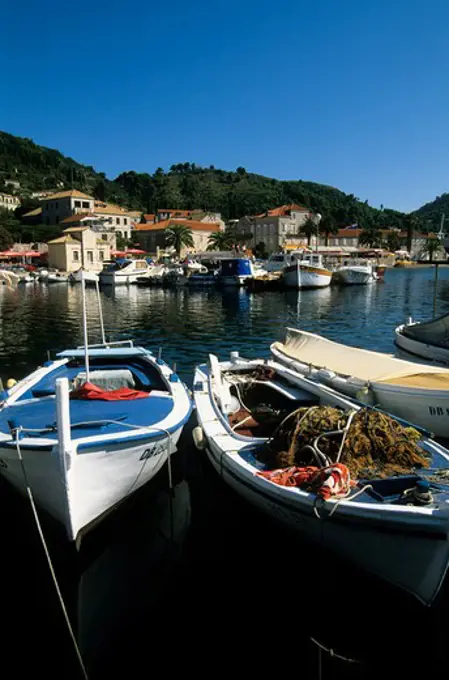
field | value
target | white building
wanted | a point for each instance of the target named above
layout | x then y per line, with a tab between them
275	226
56	207
8	202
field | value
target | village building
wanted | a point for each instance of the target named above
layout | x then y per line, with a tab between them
8	202
78	247
274	226
56	207
151	237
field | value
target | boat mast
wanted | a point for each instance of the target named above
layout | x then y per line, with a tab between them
86	339
100	312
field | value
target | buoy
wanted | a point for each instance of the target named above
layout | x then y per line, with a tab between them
10	383
198	438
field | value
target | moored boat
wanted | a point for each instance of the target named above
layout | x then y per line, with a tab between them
82	274
354	273
124	272
414	392
395	526
307	271
91	427
234	272
57	277
428	339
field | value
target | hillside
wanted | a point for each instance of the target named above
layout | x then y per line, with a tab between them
185	185
431	213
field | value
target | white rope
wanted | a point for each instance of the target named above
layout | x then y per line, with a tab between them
332	653
343	497
345	432
47	555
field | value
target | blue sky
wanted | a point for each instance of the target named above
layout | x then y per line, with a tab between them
352	93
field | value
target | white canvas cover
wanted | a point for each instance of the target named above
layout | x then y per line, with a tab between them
363	364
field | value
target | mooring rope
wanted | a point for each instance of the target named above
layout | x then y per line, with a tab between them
47	555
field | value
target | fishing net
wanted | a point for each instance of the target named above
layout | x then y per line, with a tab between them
375	444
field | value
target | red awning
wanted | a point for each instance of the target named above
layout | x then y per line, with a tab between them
25	253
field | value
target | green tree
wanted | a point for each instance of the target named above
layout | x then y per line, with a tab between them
99	190
430	248
371	236
411	224
179	236
393	241
309	229
328	226
6	239
219	240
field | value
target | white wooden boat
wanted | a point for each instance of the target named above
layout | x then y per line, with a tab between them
92	427
417	393
354	273
87	276
57	277
307	271
124	272
428	340
407	545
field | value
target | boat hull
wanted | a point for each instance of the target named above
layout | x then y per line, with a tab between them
353	276
426	408
421	349
306	277
414	563
92	482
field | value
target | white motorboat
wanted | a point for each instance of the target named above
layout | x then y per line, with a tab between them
414	392
124	272
8	277
355	272
427	339
57	277
307	271
378	523
87	276
91	427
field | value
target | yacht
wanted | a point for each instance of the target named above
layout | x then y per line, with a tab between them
124	271
354	272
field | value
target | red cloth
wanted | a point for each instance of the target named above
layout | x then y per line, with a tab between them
334	480
90	391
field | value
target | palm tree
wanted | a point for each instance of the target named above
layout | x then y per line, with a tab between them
393	241
309	228
219	240
328	226
430	247
411	224
179	236
371	236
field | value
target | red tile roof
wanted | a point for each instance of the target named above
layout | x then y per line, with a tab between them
283	210
77	217
194	225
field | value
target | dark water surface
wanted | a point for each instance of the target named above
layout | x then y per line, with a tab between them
198	582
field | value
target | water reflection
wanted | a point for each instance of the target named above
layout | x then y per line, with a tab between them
189	324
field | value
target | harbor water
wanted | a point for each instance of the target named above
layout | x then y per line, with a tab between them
195	580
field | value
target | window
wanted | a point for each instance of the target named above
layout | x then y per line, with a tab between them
76	256
77	204
85	204
119	233
125	221
48	220
101	255
56	205
104	237
57	220
90	256
117	220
